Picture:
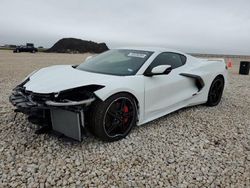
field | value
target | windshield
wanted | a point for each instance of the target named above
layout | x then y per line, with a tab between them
116	62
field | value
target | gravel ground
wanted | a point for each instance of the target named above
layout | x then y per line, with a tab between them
194	147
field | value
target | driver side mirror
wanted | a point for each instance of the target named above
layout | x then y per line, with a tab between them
159	70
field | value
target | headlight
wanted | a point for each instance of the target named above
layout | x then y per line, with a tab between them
78	94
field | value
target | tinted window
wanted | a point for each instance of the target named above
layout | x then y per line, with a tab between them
116	62
168	58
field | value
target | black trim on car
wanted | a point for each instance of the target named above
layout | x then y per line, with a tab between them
198	80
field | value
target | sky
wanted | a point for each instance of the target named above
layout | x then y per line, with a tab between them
193	26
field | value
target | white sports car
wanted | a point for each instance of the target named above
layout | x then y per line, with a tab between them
110	93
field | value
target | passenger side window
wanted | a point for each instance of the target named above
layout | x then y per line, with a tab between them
168	58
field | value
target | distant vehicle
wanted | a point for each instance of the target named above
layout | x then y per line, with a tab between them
28	48
110	93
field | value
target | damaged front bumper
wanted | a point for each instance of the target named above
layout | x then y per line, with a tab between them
63	116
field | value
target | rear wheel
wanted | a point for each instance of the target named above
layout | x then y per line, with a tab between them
113	118
215	91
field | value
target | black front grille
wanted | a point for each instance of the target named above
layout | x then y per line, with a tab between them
36	97
41	98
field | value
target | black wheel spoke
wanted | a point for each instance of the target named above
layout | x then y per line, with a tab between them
123	126
128	114
112	114
111	128
123	103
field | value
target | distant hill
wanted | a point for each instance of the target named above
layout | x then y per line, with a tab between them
72	45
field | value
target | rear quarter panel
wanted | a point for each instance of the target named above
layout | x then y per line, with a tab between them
208	70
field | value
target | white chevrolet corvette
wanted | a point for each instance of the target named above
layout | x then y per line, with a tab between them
110	93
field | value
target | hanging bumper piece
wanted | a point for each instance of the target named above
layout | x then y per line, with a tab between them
65	117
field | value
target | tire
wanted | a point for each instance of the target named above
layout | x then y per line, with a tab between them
113	119
215	91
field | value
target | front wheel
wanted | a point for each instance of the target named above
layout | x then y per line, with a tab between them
113	119
215	91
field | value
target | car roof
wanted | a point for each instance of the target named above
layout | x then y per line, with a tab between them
152	49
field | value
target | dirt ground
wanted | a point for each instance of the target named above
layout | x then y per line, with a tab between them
194	147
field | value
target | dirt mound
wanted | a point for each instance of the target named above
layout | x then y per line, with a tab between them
72	45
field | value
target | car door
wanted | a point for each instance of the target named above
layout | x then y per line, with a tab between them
167	92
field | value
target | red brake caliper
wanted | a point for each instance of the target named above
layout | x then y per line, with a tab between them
125	110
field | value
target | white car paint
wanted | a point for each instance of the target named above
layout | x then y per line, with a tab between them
156	95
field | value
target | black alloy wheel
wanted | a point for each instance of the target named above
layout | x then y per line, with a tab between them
118	117
113	119
215	91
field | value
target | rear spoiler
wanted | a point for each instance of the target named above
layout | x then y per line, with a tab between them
214	59
221	60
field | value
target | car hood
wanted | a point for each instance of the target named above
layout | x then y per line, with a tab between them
62	77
